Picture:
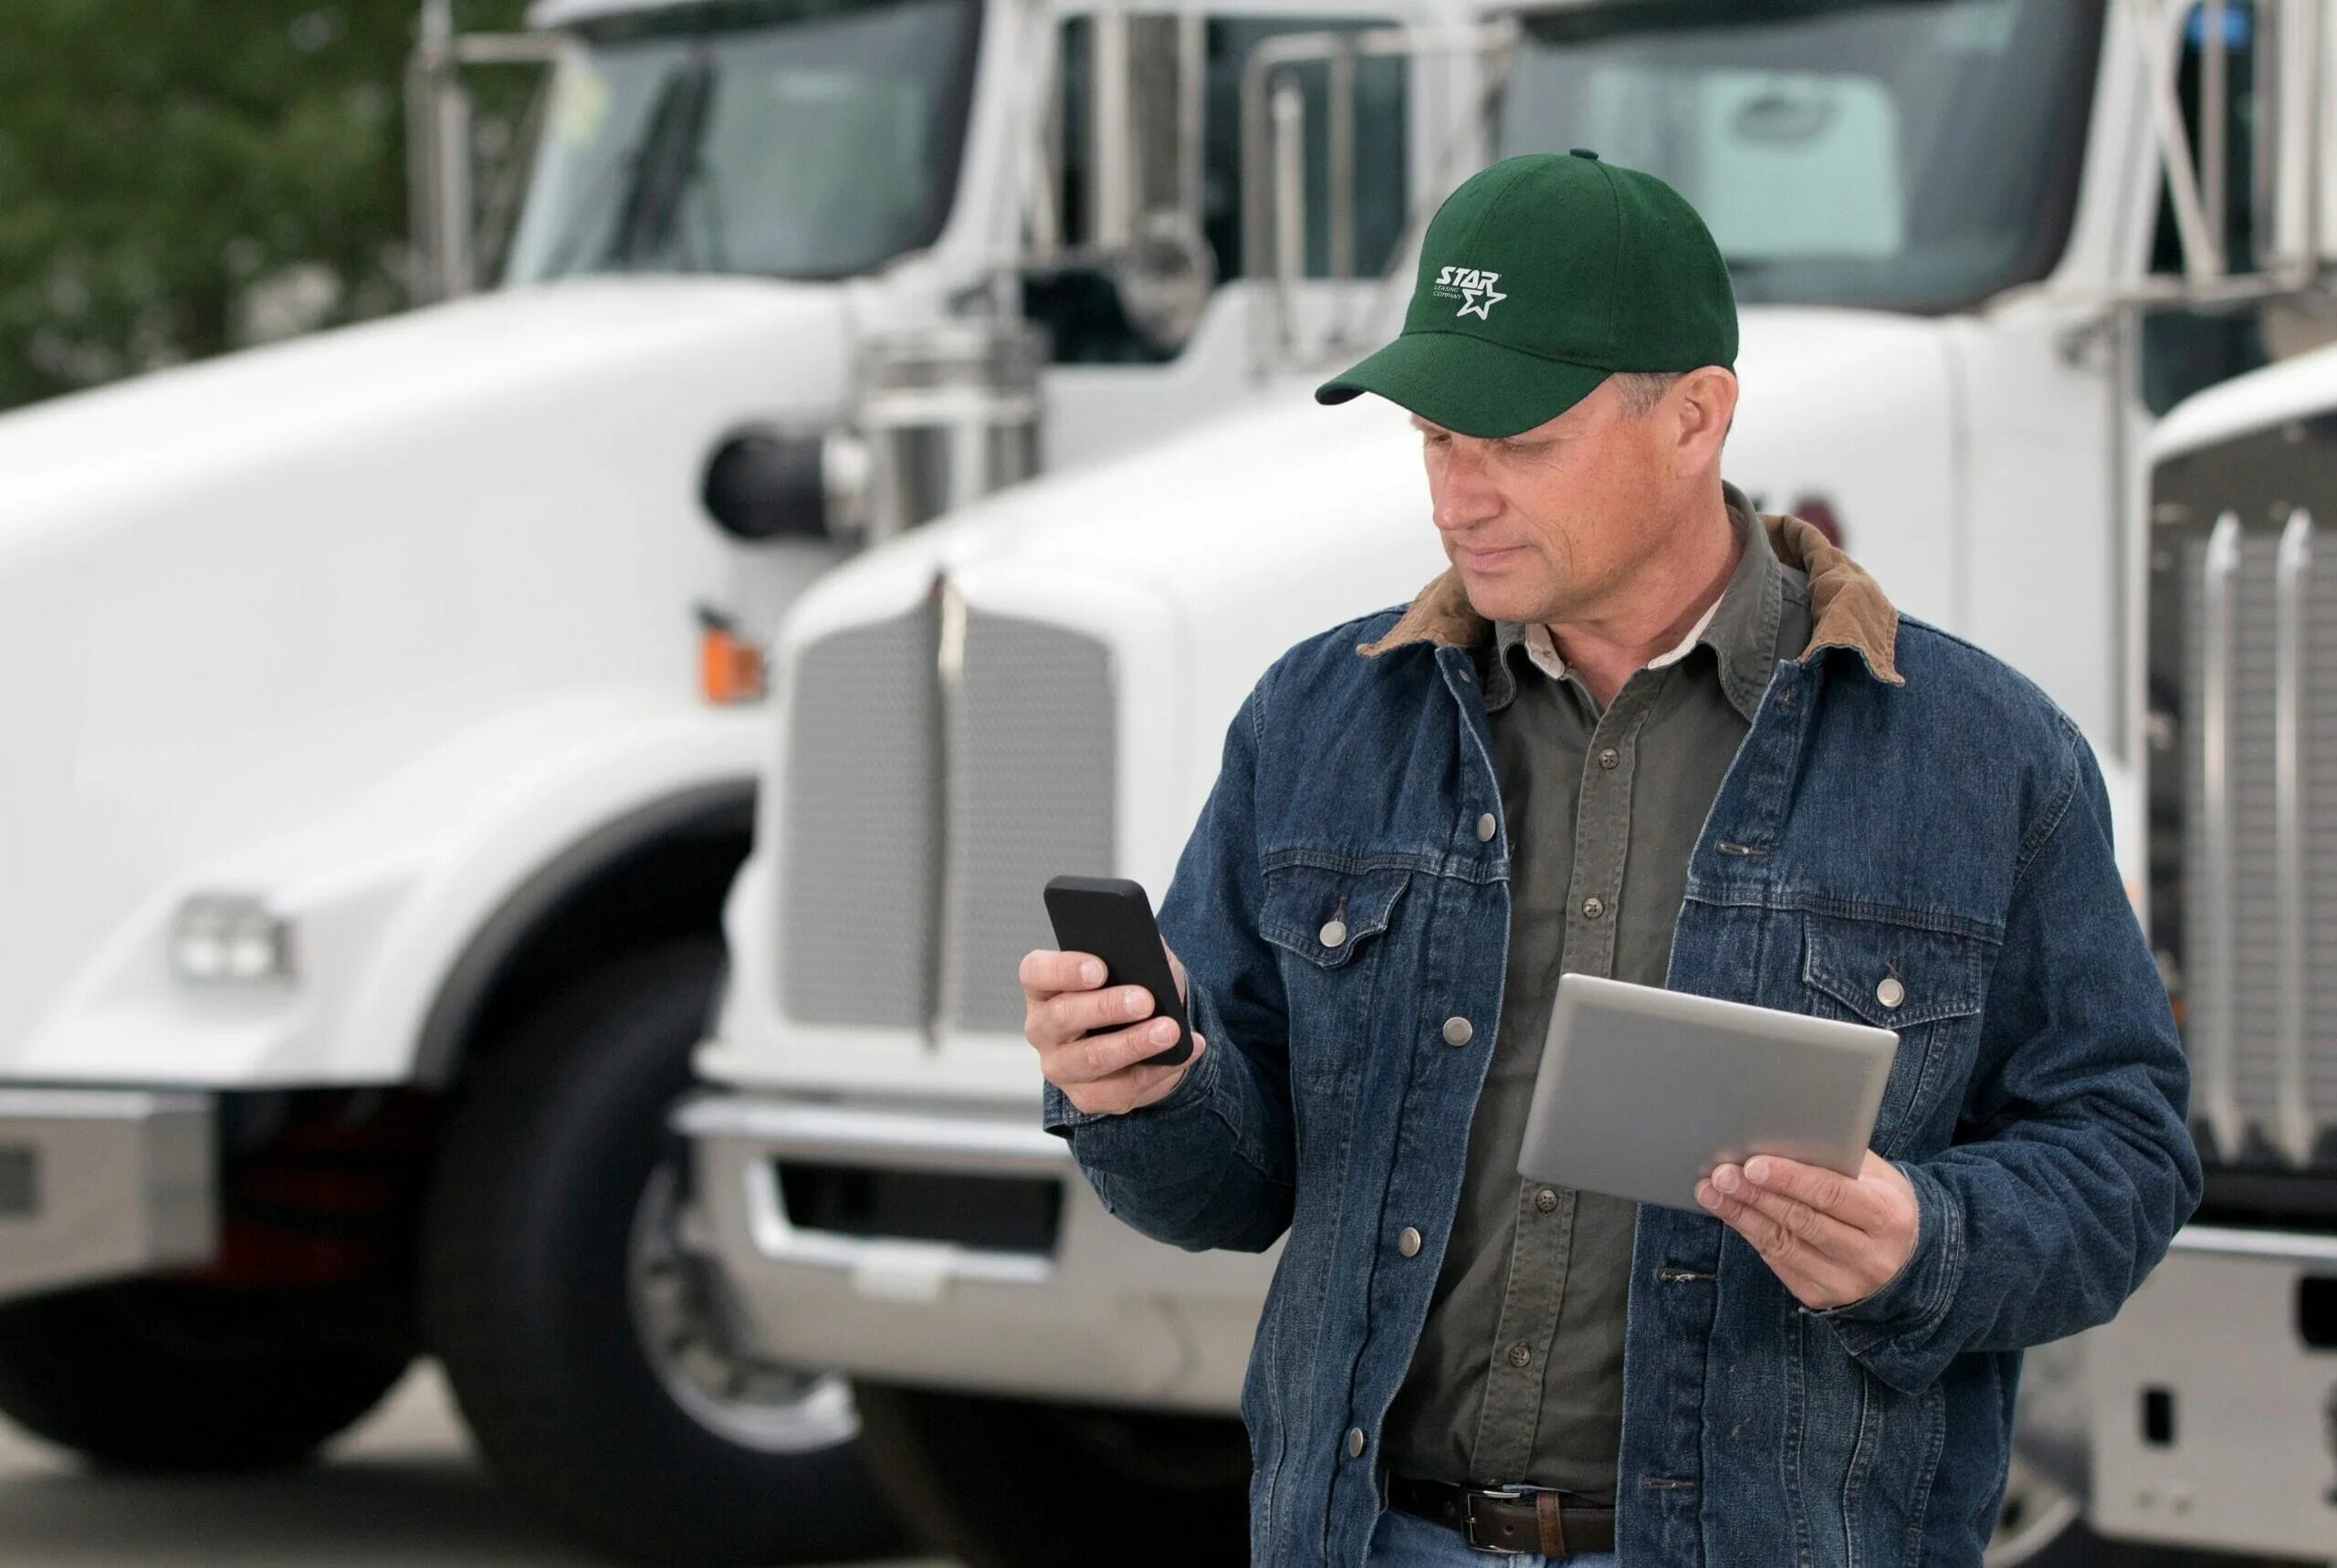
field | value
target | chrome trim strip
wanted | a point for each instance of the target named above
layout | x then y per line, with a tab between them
2272	1246
2292	1107
894	1140
2212	912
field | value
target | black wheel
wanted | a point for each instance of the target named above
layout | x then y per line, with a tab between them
166	1375
590	1356
1002	1483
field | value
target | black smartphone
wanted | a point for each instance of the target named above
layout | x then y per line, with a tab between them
1111	917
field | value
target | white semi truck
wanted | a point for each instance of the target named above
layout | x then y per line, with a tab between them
382	709
1979	246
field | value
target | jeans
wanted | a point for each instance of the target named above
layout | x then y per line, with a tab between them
1407	1540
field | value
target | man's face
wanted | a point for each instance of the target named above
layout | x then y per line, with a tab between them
1545	524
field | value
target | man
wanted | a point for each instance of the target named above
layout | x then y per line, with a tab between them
1635	730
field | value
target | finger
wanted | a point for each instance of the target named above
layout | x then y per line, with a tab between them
1807	1272
1132	1088
1098	1056
1176	968
1045	972
1822	1231
1844	1198
1076	1012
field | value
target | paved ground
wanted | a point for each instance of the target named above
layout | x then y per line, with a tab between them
401	1491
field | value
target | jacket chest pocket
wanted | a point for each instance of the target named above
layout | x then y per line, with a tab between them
1330	926
1925	985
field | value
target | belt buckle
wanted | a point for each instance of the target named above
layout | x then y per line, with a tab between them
1469	1519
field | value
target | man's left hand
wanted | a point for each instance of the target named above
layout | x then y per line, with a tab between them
1833	1240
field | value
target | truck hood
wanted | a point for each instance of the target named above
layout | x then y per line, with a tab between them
240	597
70	462
1284	517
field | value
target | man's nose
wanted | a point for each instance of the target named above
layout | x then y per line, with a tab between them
1463	496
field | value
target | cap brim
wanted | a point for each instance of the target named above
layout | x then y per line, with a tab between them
1466	384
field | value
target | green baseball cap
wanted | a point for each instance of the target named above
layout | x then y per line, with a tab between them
1540	277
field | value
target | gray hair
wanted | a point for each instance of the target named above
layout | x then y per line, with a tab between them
1642	389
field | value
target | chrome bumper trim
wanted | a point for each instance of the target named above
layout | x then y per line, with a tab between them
99	1183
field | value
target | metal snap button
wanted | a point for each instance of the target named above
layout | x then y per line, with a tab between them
1487	828
1891	993
1334	931
1355	1442
1457	1031
1407	1242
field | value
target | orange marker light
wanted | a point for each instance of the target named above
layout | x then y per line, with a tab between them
729	667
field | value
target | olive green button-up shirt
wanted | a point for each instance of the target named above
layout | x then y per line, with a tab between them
1517	1377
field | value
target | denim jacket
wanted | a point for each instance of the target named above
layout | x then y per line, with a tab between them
1904	806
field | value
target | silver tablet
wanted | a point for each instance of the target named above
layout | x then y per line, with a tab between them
1644	1091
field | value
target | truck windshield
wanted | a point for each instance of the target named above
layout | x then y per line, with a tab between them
803	139
1914	155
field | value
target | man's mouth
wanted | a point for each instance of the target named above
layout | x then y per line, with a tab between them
1486	560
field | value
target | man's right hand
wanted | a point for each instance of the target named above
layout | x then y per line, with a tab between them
1101	1074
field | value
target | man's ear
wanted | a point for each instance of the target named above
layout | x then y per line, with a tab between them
1706	404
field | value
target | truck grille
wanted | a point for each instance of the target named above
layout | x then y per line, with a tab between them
2243	785
862	832
1031	785
942	766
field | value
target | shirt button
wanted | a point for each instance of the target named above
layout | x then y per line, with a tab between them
1546	1200
1520	1356
1487	828
1355	1442
1891	993
1593	907
1409	1242
1457	1031
1334	931
1608	757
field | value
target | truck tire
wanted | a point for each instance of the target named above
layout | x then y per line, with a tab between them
182	1376
587	1352
1003	1483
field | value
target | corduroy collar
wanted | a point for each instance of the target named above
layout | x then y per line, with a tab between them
1848	607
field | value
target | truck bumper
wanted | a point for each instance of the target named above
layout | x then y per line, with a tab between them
2214	1397
956	1249
96	1183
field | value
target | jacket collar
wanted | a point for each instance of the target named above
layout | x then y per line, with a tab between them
1846	607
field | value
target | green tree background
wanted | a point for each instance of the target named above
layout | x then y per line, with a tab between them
183	177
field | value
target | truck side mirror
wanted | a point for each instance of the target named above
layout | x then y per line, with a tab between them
1115	166
2296	175
2287	196
1145	113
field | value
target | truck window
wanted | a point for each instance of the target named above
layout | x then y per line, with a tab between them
1080	309
803	139
1916	155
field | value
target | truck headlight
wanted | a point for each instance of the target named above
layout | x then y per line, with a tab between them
229	939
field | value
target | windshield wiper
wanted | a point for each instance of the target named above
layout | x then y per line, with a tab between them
641	184
669	162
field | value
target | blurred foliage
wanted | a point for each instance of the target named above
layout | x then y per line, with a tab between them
180	177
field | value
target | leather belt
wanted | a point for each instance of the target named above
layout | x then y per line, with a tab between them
1509	1519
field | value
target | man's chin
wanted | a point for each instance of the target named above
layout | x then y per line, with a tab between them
1496	598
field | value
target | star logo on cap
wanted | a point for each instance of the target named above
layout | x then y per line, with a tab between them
1477	301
